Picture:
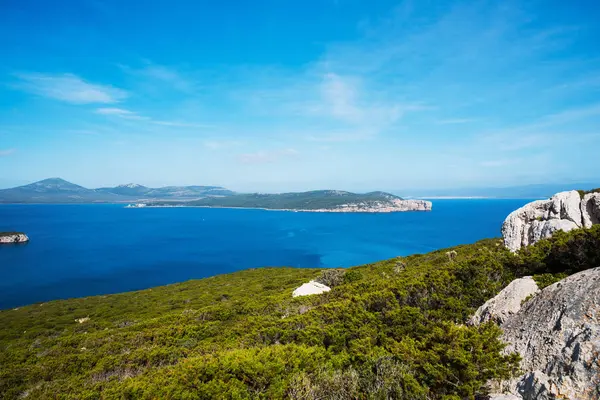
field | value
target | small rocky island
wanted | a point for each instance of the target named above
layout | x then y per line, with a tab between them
13	237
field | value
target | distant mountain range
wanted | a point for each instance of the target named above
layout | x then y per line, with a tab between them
178	192
56	190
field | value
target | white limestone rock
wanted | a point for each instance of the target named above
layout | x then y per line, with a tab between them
310	288
590	209
539	219
506	303
515	229
544	229
565	206
557	334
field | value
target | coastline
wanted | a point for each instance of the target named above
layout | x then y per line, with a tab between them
285	209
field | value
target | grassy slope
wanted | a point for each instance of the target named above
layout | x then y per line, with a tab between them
319	199
392	329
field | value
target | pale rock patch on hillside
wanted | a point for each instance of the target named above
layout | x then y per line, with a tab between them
310	288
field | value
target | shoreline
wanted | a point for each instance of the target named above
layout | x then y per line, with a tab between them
285	209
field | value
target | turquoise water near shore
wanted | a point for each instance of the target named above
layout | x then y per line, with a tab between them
82	250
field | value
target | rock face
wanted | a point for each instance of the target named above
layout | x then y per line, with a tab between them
309	288
506	303
590	209
558	335
540	219
13	237
392	205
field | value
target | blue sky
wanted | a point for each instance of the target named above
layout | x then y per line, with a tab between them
280	95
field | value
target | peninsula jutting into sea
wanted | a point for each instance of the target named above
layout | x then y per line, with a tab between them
56	190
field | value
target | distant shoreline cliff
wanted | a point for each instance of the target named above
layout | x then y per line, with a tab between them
314	201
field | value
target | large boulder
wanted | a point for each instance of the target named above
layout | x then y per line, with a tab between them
539	219
506	303
557	334
590	209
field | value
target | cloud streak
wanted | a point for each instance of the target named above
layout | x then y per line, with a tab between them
131	115
68	88
7	152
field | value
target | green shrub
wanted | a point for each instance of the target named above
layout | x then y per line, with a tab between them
383	332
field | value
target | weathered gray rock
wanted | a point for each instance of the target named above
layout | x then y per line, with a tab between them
506	303
13	237
544	229
539	219
557	334
590	209
565	206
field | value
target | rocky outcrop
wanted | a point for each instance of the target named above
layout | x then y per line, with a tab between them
506	303
309	288
392	205
557	333
538	220
590	209
13	237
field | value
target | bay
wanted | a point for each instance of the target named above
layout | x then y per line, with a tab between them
83	250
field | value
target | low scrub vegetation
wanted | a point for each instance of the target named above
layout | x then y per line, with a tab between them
389	330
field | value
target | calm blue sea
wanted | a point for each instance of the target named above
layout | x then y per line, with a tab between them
82	250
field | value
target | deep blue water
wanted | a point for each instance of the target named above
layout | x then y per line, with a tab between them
82	250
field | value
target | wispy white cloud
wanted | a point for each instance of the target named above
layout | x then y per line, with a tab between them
121	113
345	98
131	115
267	156
68	88
164	75
7	152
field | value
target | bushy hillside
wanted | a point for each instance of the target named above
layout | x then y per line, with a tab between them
313	200
389	330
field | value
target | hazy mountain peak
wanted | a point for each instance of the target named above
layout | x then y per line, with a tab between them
54	184
131	186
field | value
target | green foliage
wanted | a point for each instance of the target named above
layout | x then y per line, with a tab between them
313	200
332	277
544	280
352	276
562	253
584	192
384	331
